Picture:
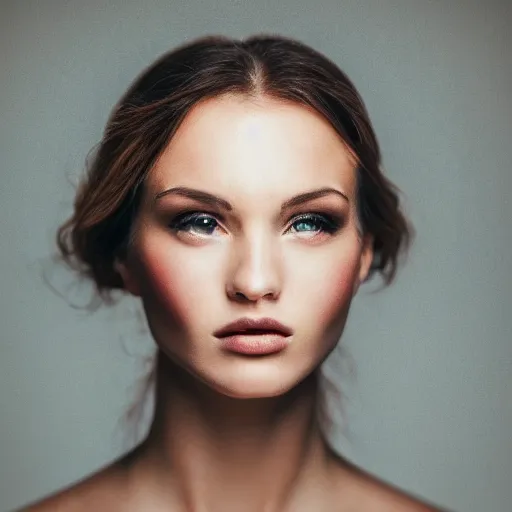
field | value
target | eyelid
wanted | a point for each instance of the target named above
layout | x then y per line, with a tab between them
330	216
290	216
331	222
194	212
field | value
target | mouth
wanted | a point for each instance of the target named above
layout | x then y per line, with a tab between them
254	337
254	344
252	332
254	326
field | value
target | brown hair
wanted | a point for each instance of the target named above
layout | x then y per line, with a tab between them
151	110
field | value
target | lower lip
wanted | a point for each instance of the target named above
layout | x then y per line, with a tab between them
255	344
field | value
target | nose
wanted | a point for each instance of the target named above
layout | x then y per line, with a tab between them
255	272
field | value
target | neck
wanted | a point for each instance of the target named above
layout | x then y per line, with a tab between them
215	452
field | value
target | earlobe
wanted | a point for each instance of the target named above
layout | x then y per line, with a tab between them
365	261
129	280
366	257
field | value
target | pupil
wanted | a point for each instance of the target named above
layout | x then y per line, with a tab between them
206	223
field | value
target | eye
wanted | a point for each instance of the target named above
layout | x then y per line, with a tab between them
318	223
195	222
204	224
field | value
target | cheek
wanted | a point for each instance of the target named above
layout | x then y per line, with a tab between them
329	285
337	290
171	280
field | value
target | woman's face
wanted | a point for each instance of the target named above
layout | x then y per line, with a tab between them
199	264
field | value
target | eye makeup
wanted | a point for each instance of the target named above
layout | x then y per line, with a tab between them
204	223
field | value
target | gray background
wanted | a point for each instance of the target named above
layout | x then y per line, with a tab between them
430	406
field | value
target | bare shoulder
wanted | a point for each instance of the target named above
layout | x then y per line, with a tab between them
367	493
102	490
383	498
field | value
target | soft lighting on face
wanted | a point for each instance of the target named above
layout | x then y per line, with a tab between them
251	213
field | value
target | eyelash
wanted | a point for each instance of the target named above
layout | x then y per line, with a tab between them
328	224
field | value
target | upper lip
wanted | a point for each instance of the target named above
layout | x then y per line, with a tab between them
252	326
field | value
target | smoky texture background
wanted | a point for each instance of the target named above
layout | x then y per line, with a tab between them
429	407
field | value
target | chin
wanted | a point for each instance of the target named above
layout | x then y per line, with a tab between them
244	393
258	383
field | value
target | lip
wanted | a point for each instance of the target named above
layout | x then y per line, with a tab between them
255	344
251	327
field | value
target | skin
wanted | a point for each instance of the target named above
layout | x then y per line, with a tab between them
233	432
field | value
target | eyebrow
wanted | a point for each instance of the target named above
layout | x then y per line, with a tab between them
218	202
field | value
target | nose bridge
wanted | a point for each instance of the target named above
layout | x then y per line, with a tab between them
256	269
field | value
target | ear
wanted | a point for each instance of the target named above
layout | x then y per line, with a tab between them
131	284
365	261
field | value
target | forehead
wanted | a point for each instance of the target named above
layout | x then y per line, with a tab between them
259	144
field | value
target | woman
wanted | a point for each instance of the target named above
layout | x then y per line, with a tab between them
237	192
